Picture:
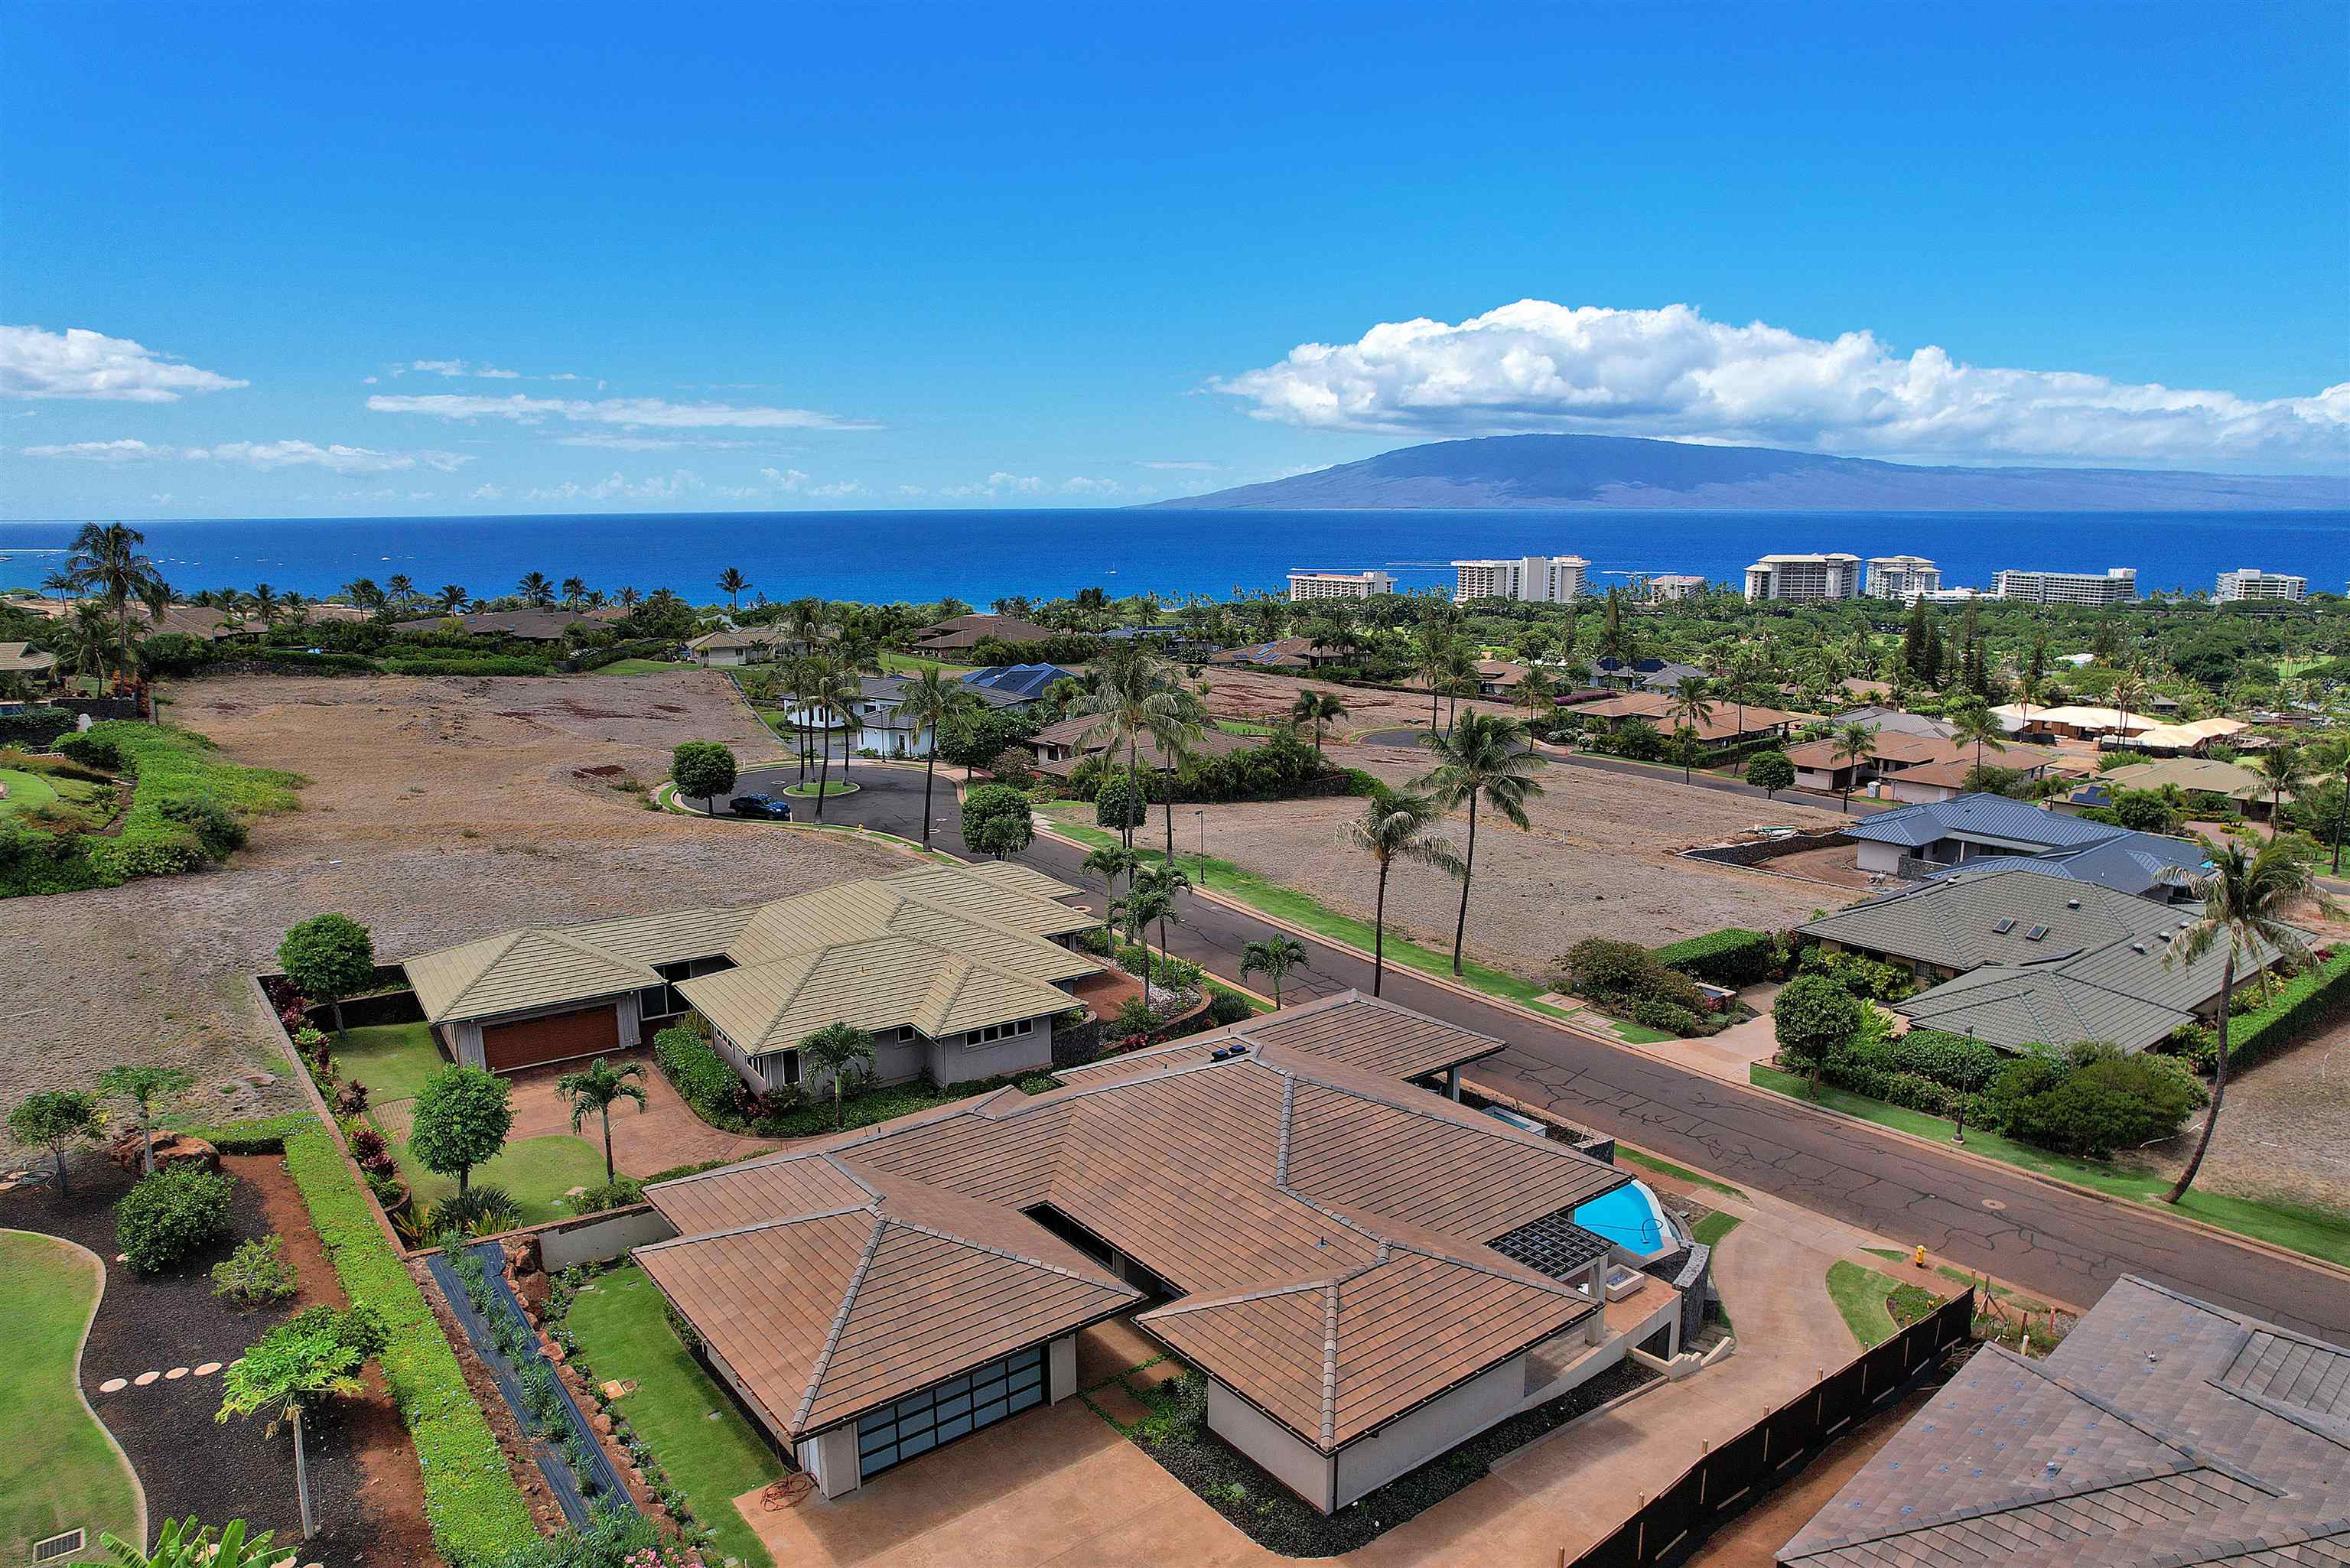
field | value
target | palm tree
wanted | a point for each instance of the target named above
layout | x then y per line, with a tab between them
451	599
2128	693
1395	827
1537	694
832	1051
1485	757
1133	694
1433	663
732	582
399	588
535	590
596	1090
1316	708
1979	724
1272	957
800	678
1158	881
834	694
927	701
627	598
1143	904
1109	863
363	594
62	584
88	638
1856	743
1742	682
2284	770
574	590
2244	899
265	604
1691	705
106	560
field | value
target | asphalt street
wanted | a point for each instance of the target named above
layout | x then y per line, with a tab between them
2034	1234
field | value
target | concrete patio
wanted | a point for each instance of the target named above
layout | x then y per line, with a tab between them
665	1134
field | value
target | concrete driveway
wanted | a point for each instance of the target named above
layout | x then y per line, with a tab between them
665	1134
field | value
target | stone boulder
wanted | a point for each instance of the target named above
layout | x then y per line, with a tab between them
535	1291
522	1258
173	1151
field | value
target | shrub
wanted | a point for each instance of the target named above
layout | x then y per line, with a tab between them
352	1100
328	957
170	1216
1869	979
2294	1010
1814	1019
34	726
91	752
1652	1013
477	1515
255	1273
1730	957
1954	1061
476	1211
485	664
150	854
2093	1101
617	1193
996	820
1770	771
461	1119
704	770
1135	1017
214	825
701	1078
1013	766
1227	1007
1603	966
171	653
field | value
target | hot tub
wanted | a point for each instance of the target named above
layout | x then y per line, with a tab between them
1634	1222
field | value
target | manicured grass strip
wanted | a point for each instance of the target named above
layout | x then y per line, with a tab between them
641	667
1709	1230
1860	1298
1297	909
1678	1173
26	792
1247	727
63	1470
624	1336
908	664
536	1170
391	1059
2304	1227
829	788
476	1513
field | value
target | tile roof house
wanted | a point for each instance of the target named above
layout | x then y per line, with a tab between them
880	697
2027	957
961	633
1021	684
1282	653
1641	674
2163	1432
1060	748
521	625
2244	789
25	662
1322	1228
1933	765
732	646
958	970
1729	722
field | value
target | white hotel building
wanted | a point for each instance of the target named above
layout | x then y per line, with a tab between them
1803	579
1903	577
2117	586
1535	580
1306	586
2251	583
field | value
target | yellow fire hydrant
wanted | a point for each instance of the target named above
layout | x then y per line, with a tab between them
1918	1257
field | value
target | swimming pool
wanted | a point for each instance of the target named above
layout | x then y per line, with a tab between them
1632	1218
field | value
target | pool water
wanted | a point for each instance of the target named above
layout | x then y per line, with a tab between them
1631	1218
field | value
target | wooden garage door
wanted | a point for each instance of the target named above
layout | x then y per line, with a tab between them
555	1038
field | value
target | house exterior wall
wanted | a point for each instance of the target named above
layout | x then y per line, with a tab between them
1884	858
1442	1423
952	1060
1311	1475
831	1458
463	1037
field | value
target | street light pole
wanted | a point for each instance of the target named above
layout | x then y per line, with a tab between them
1202	814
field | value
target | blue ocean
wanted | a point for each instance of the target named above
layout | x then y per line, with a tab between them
980	555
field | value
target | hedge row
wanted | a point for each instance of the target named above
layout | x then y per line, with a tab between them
482	664
34	726
701	1077
2297	1008
476	1513
1732	957
267	1135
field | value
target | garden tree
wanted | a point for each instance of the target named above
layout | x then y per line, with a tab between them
833	1051
1814	1018
996	820
1486	758
927	701
1316	708
1975	724
145	1087
1770	772
312	1356
183	1543
1916	636
1617	640
460	1120
1160	880
53	1118
1396	825
1691	706
2035	665
594	1091
732	582
1132	692
2095	1100
106	562
2286	771
1272	957
1854	743
706	768
2245	899
328	957
1121	803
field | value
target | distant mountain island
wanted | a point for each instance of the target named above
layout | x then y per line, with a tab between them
1554	471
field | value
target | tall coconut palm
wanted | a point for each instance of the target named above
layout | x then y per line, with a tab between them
2129	692
1458	675
106	561
1856	743
2244	897
1159	881
834	694
1131	693
800	678
627	598
1109	863
2286	769
451	599
806	620
1537	694
1484	758
365	594
1272	957
265	604
1316	708
926	701
1744	678
535	590
732	582
1977	724
575	589
400	588
1691	705
62	584
594	1091
1433	661
1398	825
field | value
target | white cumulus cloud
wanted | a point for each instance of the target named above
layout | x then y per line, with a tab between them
1083	486
616	485
1539	367
1192	465
101	451
486	492
79	363
260	454
652	412
459	367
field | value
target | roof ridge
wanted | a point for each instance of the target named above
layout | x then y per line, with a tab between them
773	1222
1329	1366
2031	1497
904	1223
1288	1111
839	1320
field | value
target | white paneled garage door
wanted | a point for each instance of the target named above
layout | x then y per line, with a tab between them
945	1411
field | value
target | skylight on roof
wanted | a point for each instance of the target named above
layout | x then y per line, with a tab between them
2036	933
2002	928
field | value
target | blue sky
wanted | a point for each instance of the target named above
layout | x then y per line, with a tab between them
912	256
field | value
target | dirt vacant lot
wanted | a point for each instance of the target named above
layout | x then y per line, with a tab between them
1262	695
1599	861
439	810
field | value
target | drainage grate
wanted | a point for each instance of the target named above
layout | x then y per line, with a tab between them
57	1546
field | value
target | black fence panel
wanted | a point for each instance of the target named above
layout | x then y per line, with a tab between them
1734	1477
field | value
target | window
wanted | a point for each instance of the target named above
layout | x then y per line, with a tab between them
994	1032
945	1411
780	1069
2003	927
2036	933
907	1033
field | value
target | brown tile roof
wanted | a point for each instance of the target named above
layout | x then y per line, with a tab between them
1656	708
2162	1430
523	625
1277	1171
1071	732
1900	754
963	631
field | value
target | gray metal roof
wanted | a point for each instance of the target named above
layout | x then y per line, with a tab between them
1982	817
2137	863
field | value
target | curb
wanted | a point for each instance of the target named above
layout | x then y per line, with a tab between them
2161	1215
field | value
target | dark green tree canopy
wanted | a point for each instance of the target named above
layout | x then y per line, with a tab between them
462	1117
704	770
328	957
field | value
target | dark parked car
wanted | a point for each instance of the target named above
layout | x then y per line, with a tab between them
764	806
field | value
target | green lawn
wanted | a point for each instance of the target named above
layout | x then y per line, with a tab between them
2304	1227
906	664
1709	1230
394	1059
1073	819
1860	1298
830	788
1679	1172
64	1472
709	1451
1248	727
642	666
26	792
